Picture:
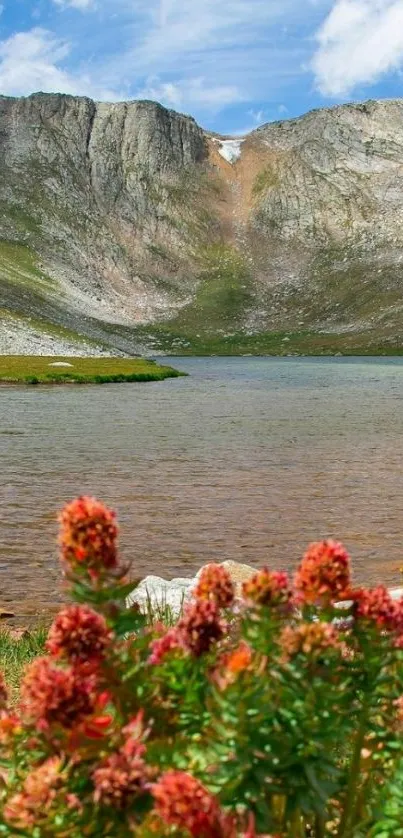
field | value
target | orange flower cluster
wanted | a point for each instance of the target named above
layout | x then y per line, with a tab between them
88	535
231	664
215	584
79	634
183	802
267	587
309	639
323	576
200	627
40	790
52	695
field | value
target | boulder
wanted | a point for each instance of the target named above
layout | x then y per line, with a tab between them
158	593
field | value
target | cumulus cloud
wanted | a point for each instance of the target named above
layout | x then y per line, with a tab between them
30	61
358	42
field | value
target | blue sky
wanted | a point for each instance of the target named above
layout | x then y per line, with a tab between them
232	64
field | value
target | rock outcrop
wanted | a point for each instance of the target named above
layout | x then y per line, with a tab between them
128	225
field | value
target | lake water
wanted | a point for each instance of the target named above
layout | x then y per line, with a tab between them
248	459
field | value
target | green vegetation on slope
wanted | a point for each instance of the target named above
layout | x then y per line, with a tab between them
28	369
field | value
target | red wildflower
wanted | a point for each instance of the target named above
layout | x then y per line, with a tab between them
78	634
52	695
323	576
41	787
215	584
309	639
267	587
162	646
121	777
377	606
182	801
88	534
200	626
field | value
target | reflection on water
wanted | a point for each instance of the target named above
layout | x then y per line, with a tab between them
248	458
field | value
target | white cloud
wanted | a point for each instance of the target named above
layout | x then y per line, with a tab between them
30	61
75	4
359	41
197	90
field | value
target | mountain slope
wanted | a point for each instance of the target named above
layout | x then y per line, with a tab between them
128	227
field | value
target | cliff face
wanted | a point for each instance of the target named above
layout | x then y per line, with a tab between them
128	225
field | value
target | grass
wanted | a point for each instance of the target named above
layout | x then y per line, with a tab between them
24	369
16	653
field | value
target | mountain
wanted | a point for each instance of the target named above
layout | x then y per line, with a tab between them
126	227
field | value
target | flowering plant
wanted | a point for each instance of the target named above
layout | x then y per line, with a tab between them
281	717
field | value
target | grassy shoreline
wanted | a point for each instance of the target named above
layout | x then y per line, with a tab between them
46	369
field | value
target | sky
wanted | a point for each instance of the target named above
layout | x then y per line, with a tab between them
232	64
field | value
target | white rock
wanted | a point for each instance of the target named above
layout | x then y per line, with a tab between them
157	592
60	364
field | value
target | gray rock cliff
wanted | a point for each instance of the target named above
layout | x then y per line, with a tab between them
128	225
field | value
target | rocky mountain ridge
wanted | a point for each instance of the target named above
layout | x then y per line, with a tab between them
125	227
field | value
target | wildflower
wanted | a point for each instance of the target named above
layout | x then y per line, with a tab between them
78	634
200	626
239	660
215	584
267	587
121	777
309	639
162	646
231	664
37	797
183	802
52	695
88	535
10	725
376	605
323	576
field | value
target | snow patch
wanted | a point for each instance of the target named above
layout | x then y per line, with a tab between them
230	150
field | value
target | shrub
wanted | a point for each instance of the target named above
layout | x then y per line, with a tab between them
275	714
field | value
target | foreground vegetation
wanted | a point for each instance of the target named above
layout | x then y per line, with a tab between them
277	715
29	369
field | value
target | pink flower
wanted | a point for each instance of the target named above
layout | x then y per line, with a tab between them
162	646
215	584
323	576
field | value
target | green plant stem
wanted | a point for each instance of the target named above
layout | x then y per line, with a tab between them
296	825
319	827
346	823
